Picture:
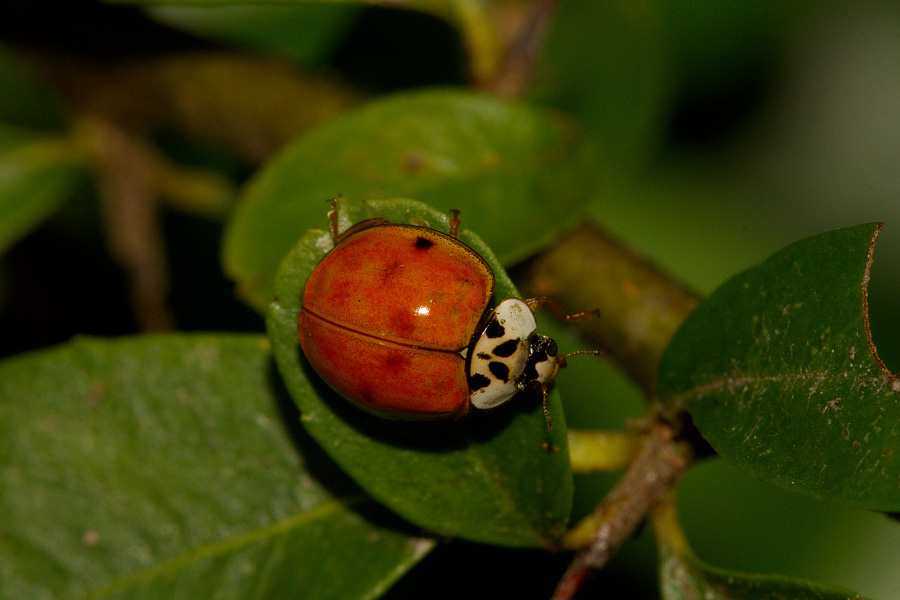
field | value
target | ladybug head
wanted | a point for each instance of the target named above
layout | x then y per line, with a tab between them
543	363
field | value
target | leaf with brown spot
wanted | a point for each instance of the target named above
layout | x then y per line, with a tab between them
778	370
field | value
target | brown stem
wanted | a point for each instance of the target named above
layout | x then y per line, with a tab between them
247	105
660	463
125	168
524	51
640	305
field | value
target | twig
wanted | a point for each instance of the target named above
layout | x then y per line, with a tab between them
125	172
641	305
658	466
524	51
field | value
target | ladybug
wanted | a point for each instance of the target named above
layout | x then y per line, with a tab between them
397	319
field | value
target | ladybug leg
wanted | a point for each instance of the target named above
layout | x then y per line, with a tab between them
556	310
333	221
544	406
336	236
454	222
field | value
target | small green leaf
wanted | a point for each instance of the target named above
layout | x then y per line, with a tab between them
36	176
688	579
162	467
472	19
518	176
498	477
779	373
684	577
304	31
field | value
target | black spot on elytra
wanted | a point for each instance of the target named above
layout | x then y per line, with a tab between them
483	356
494	329
499	370
506	349
478	381
423	243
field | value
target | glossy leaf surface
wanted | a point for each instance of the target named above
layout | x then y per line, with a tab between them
499	477
778	370
162	467
517	175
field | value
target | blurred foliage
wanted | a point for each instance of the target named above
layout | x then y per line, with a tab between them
714	134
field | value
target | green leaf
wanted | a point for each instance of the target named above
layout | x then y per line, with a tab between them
472	19
36	176
498	476
518	176
778	370
610	65
684	577
162	467
304	31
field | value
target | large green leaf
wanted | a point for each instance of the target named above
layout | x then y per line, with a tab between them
778	371
36	175
517	175
500	477
162	467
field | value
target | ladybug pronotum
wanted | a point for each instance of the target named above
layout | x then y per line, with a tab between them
397	319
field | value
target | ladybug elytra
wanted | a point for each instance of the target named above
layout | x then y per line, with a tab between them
397	319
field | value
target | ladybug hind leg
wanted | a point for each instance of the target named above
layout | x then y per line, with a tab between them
454	223
333	220
336	235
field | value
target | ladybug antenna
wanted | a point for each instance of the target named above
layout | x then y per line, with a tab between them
561	358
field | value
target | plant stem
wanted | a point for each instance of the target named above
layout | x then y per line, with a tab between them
660	463
640	305
523	51
592	451
480	38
